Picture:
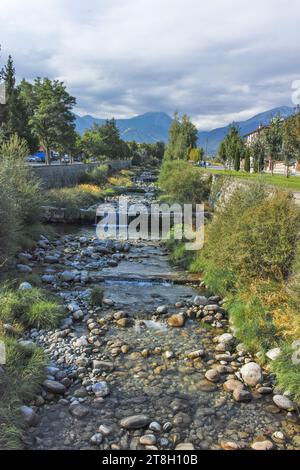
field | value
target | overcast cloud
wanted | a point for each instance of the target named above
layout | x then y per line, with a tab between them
217	60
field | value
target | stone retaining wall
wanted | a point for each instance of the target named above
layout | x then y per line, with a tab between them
59	176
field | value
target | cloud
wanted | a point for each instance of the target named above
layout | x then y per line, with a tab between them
214	61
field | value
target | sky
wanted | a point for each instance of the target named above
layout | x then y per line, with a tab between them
216	60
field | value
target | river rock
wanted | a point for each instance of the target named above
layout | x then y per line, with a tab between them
162	309
135	422
177	320
25	286
212	375
262	445
79	411
230	445
54	387
148	440
251	374
101	389
196	354
273	354
124	322
232	384
242	395
284	403
182	419
226	338
96	439
23	268
103	366
155	426
68	276
78	315
200	300
29	415
48	278
50	259
185	446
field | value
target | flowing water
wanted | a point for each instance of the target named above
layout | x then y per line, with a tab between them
151	372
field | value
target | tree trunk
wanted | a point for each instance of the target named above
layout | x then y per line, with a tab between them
272	166
48	159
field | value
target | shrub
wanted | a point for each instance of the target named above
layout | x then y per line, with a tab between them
19	196
43	315
29	307
96	296
183	182
97	175
74	199
253	235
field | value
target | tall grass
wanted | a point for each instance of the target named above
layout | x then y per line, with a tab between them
19	196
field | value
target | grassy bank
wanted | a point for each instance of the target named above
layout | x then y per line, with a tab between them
24	369
279	181
251	256
94	188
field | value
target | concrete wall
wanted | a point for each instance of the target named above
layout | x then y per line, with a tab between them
59	176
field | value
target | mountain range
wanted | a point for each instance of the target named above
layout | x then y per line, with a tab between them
154	126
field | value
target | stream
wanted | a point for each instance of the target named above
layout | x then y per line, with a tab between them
132	374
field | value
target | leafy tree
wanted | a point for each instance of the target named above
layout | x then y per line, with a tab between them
258	153
291	140
196	155
273	138
222	152
52	119
247	163
183	136
15	119
92	144
158	150
233	147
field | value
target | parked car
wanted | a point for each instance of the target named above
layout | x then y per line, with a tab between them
30	159
65	159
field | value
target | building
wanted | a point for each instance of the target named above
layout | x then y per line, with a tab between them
252	136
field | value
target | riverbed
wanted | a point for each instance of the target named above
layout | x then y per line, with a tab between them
132	378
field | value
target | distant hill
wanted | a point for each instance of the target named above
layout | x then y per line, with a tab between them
154	126
214	137
148	128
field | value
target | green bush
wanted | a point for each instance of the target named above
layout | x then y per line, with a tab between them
252	236
74	199
28	307
184	182
19	196
97	175
43	314
96	296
